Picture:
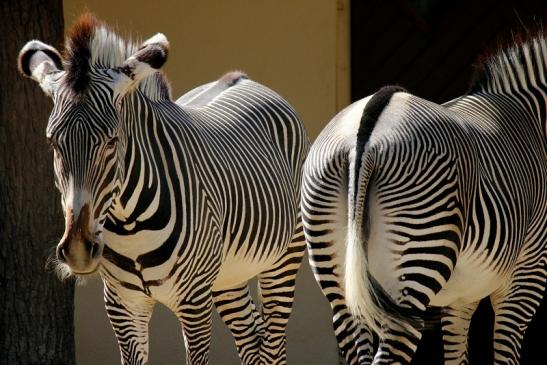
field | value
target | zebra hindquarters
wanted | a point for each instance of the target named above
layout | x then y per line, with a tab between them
324	210
403	240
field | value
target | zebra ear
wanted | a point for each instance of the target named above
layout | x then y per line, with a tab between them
147	60
38	60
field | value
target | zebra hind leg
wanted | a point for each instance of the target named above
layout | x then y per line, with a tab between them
277	295
399	343
129	312
515	306
455	326
238	311
354	339
325	218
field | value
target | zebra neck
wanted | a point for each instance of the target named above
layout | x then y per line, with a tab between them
146	221
518	75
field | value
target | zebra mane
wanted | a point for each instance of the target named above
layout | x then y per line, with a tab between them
514	66
91	44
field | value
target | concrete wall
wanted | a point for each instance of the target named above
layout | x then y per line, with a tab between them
297	48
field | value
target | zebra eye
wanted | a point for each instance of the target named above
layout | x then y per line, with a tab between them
51	142
112	142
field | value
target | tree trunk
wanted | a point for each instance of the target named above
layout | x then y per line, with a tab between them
37	310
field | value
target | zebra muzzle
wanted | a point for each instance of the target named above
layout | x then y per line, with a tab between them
78	248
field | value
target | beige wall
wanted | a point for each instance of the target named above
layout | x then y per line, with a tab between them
296	47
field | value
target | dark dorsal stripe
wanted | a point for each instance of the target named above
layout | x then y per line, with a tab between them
371	113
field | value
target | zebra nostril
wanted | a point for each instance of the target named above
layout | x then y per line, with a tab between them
61	254
94	250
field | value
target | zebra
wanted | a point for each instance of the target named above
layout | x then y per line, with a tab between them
409	205
180	203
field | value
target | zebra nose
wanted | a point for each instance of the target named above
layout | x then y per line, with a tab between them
68	251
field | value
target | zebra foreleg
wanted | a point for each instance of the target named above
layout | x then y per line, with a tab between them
129	312
195	317
238	311
514	308
277	295
455	326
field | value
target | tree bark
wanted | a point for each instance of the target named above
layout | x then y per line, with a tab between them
37	310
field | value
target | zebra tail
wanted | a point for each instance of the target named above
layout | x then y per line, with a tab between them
359	288
365	297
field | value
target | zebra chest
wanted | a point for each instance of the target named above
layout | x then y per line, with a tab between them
135	245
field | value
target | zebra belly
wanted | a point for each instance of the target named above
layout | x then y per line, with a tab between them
470	281
236	270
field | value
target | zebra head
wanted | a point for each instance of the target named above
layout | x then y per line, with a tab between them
86	129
